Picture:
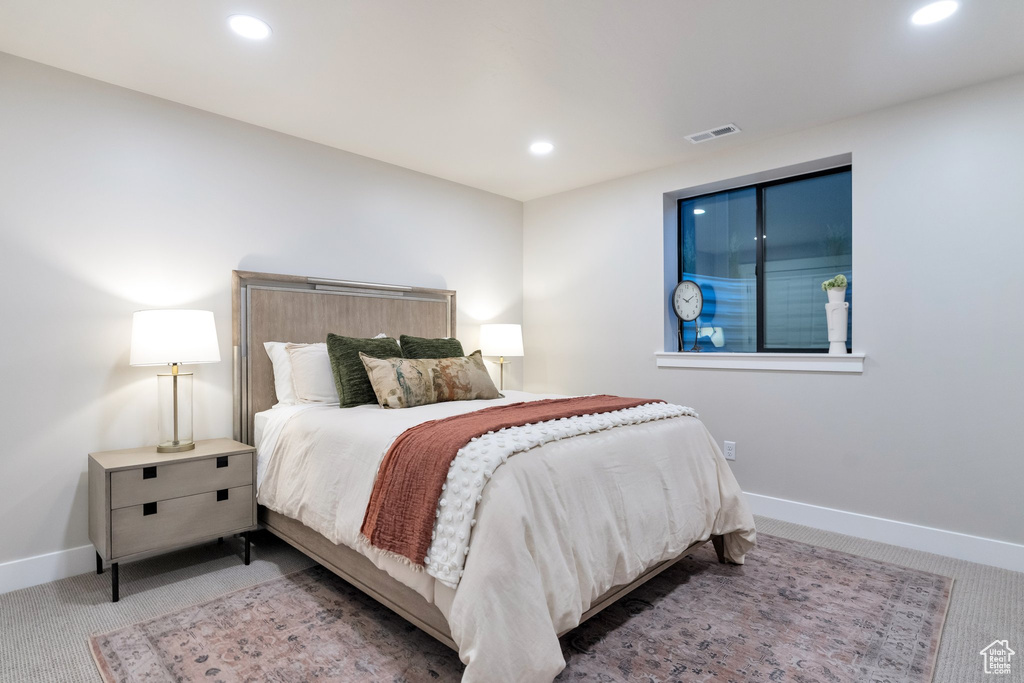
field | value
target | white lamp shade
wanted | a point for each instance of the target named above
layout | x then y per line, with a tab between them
163	337
501	340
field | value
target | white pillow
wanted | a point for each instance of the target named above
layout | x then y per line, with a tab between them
312	375
283	385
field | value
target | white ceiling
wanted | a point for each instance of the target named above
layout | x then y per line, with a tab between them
459	88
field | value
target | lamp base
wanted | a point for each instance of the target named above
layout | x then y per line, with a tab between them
501	366
179	447
174	425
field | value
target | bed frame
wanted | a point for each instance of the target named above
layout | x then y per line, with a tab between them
269	307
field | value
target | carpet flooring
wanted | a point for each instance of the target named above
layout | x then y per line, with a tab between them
793	612
44	630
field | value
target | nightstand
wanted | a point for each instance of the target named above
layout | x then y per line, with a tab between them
142	502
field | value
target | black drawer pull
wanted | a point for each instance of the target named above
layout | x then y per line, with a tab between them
222	461
222	495
148	509
149	472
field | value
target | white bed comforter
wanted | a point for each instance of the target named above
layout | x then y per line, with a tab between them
557	526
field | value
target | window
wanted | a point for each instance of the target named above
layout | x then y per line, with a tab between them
760	254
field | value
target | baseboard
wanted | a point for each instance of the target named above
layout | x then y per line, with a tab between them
33	571
949	543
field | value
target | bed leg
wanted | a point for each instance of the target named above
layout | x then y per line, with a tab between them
719	543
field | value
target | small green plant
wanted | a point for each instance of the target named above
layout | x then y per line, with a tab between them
838	282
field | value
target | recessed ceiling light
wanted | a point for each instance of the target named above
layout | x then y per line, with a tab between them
698	212
541	147
937	11
249	27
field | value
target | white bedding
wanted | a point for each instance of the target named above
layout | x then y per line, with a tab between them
557	525
476	462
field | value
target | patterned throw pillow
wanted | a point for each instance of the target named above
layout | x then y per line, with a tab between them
420	347
349	373
408	382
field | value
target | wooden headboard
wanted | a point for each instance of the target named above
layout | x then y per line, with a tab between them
290	308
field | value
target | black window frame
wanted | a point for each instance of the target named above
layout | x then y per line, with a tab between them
761	236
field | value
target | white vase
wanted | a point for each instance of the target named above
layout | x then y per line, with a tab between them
836	313
836	295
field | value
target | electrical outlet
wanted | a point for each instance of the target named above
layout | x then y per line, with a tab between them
730	450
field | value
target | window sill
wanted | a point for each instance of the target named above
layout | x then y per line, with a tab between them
771	362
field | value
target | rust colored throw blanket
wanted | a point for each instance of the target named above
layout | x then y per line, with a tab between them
400	515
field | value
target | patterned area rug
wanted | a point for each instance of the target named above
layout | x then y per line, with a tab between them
794	612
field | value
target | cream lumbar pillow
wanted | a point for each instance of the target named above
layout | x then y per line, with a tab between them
311	373
408	382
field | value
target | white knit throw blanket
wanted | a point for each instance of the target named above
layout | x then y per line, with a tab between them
476	462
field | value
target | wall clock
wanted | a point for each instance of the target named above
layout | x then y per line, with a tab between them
688	302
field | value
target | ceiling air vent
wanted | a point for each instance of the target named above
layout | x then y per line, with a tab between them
727	129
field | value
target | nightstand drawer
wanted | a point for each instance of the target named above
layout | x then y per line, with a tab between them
174	480
178	521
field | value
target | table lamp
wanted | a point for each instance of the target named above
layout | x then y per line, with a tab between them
501	340
174	337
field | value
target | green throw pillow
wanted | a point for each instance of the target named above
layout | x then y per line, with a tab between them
419	347
354	388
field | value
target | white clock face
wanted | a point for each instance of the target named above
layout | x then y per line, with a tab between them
687	300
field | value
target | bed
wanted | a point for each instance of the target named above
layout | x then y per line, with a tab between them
562	531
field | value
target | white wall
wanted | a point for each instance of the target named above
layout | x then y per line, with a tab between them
931	432
112	201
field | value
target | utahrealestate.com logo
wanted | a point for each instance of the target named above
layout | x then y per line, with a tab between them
997	657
